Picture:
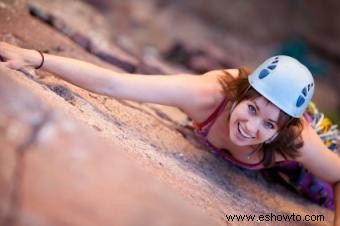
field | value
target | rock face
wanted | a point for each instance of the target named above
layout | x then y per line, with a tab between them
55	171
71	157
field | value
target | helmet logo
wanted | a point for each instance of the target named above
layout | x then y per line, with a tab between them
300	101
270	68
305	91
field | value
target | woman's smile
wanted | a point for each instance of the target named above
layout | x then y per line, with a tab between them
242	133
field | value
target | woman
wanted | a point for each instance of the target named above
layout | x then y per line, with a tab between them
253	119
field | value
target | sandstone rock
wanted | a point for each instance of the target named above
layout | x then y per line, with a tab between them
154	137
57	172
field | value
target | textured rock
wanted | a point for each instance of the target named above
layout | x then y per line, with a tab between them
57	172
89	29
154	137
7	166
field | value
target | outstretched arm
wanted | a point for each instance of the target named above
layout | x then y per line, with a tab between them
322	162
183	91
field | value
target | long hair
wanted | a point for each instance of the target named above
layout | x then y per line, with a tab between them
288	140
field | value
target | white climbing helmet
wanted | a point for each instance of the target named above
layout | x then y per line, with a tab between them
285	82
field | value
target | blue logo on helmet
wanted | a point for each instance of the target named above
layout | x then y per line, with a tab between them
271	67
300	101
305	91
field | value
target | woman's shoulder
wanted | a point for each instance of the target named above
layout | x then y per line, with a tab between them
210	95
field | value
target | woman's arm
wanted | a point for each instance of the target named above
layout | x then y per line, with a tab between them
317	158
187	92
321	162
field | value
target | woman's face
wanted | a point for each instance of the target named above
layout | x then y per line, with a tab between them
253	122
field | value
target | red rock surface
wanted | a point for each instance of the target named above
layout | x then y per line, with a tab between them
56	171
61	177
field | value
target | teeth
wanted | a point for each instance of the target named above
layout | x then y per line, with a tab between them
243	133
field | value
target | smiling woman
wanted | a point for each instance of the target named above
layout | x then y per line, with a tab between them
267	124
254	119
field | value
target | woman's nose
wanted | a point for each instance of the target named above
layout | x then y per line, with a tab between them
253	126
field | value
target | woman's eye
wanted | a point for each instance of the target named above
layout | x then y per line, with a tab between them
269	125
251	109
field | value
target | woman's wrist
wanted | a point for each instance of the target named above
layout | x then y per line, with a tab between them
42	60
33	58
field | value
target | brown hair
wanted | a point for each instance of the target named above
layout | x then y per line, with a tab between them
289	137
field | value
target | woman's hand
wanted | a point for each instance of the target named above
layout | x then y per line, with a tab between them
17	58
